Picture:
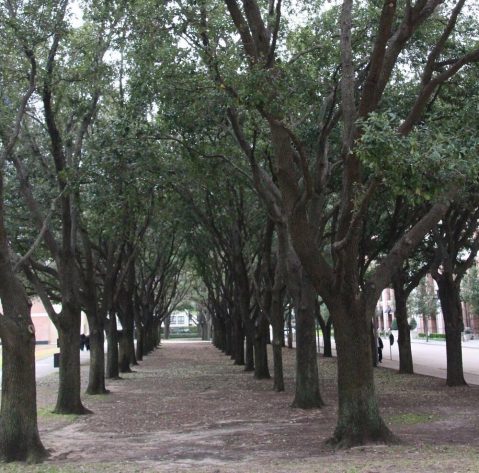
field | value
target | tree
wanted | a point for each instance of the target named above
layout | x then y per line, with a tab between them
58	149
326	189
404	281
423	303
470	289
457	243
19	437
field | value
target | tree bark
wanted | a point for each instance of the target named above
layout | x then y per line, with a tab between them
96	376
290	329
325	329
261	370
19	437
452	311
238	342
156	333
307	394
167	328
328	352
150	337
250	355
68	400
219	334
359	421
228	337
124	355
112	365
404	334
140	342
277	322
374	345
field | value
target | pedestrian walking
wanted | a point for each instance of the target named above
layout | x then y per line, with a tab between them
380	350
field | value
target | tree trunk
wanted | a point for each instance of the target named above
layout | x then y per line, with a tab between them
261	370
167	328
404	335
150	335
238	344
425	324
248	331
452	312
112	365
328	352
131	346
374	345
96	376
126	340
204	331
156	333
307	394
326	329
277	322
359	421
290	329
249	353
219	334
19	437
302	292
228	337
68	400
203	325
124	355
140	341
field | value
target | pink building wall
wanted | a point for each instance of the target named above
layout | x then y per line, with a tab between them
45	331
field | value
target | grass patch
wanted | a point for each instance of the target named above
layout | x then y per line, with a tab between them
48	414
411	418
22	468
88	468
97	397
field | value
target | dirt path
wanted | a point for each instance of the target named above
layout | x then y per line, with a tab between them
187	408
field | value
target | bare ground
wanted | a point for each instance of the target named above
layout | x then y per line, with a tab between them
187	408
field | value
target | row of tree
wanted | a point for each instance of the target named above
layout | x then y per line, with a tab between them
275	156
355	128
84	221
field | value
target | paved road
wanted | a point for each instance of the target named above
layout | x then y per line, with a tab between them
429	358
45	367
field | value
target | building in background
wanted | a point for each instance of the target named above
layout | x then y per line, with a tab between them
45	331
433	321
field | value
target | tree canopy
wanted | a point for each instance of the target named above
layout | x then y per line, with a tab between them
243	157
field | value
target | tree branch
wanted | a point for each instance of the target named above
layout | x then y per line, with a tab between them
429	88
347	79
40	236
242	28
370	94
277	21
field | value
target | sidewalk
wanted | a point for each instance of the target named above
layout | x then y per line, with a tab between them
44	360
429	358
